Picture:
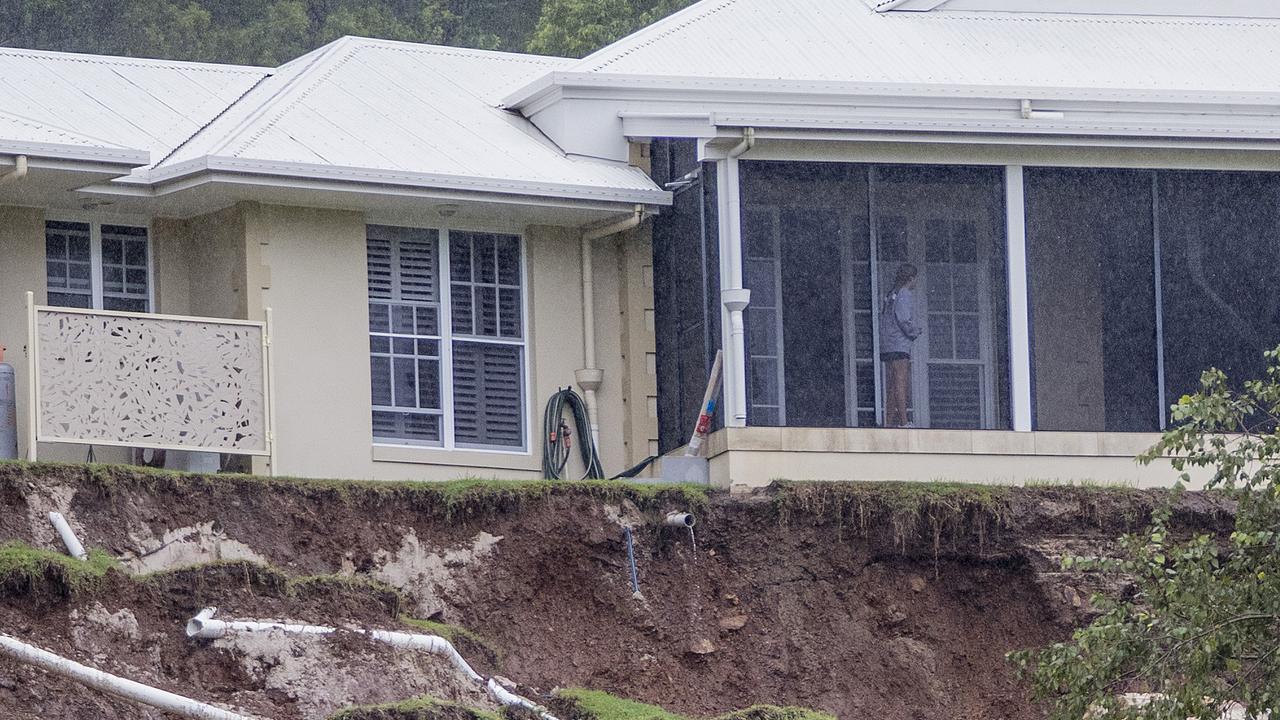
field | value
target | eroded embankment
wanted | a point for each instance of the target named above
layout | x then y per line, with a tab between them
893	602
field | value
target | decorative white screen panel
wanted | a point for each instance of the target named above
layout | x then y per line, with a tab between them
151	381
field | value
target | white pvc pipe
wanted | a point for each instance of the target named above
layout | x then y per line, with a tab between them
679	519
590	372
74	548
118	686
18	172
203	625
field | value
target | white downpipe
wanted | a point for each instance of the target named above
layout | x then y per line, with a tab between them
18	172
74	548
590	377
111	684
734	297
203	625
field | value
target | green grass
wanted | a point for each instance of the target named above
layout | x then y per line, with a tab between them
596	705
444	630
24	568
457	498
603	706
424	708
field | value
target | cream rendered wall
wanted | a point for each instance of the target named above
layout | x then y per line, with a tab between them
610	320
309	267
21	270
754	457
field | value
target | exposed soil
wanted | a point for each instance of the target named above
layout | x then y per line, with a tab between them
866	601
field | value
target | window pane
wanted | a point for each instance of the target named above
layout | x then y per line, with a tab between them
402	427
136	281
78	276
70	300
404	381
56	273
488	389
136	253
1091	266
487	311
379	317
380	371
509	272
136	305
511	322
484	259
428	321
112	250
113	279
402	319
462	309
429	384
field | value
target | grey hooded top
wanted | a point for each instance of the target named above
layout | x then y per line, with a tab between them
898	330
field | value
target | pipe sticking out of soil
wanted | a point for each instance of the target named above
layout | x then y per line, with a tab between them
681	519
74	548
112	684
203	625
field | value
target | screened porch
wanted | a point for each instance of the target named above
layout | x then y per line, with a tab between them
1045	299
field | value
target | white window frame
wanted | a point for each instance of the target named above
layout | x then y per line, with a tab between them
95	221
447	338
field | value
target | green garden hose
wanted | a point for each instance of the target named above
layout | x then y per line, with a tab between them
559	441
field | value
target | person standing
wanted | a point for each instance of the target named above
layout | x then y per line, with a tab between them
898	333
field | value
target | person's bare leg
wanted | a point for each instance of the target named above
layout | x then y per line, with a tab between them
904	390
895	414
889	389
900	374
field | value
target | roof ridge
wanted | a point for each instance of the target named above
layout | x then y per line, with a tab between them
667	26
457	51
288	90
340	51
127	60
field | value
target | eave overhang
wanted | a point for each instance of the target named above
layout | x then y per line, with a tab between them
695	107
326	178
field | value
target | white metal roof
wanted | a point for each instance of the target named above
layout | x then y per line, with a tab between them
847	41
401	113
112	103
369	112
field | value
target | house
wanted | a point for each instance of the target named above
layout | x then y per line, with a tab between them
1085	196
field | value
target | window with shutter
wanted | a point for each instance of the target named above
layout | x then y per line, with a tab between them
95	266
446	374
488	367
404	335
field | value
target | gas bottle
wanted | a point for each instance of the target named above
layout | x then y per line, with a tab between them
8	410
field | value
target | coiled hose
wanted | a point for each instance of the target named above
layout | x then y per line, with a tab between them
559	441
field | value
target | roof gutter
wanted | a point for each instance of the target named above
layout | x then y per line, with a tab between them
18	172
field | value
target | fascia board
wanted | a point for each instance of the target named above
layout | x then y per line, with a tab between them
536	92
297	174
115	157
717	148
572	85
636	125
1083	124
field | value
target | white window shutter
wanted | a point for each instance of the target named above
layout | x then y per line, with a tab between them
488	384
